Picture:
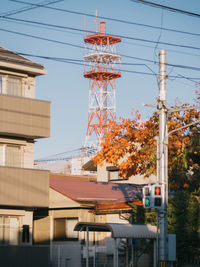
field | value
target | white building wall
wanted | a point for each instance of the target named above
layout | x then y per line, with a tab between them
29	87
76	166
27	83
2	154
28	155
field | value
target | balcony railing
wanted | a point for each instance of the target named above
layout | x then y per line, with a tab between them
25	117
24	187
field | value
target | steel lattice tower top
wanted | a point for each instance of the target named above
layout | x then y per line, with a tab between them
102	68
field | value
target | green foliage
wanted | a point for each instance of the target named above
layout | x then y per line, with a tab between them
184	221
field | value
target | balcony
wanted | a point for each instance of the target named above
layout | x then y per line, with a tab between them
24	117
24	187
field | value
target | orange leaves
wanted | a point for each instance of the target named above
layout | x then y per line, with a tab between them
177	144
131	146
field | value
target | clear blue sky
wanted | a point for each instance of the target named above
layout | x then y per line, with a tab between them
65	86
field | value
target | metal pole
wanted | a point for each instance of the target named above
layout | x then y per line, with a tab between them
87	247
115	259
154	253
162	148
51	238
59	256
157	243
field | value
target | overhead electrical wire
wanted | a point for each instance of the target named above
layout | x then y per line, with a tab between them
109	18
81	63
172	9
23	9
77	33
70	61
82	47
41	38
170	50
160	34
121	36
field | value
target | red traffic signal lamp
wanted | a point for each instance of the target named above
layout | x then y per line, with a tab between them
157	195
157	191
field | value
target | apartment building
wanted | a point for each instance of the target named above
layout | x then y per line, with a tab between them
23	119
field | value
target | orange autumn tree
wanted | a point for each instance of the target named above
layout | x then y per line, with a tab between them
131	146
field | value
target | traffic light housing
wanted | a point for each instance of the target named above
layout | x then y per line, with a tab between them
152	196
147	201
157	195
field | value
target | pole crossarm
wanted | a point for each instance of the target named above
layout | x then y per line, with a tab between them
180	128
171	110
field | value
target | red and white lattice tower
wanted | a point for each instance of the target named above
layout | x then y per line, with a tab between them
102	68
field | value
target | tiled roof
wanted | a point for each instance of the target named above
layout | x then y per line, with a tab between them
12	57
86	191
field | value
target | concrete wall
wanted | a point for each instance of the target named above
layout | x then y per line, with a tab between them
103	175
29	155
29	87
57	200
41	234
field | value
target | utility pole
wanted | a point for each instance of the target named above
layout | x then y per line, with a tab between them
162	167
162	161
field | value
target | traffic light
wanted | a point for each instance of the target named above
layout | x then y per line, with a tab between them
147	202
152	196
157	196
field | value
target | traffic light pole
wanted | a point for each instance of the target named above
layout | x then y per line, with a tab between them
151	193
162	166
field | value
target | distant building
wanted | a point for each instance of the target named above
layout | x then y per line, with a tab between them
110	173
74	199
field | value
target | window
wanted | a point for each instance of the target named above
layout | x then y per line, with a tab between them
9	230
14	86
70	224
64	229
13	156
113	173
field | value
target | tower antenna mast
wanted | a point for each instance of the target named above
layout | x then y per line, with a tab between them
102	67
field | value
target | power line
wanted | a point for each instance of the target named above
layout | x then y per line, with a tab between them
81	63
40	26
76	33
82	47
172	9
110	19
23	9
121	36
169	50
41	38
80	13
162	17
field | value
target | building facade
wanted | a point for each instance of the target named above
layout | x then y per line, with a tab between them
23	119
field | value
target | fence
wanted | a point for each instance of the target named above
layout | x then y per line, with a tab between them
24	256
